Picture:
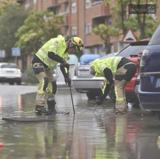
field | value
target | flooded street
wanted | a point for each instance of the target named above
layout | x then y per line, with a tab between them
95	132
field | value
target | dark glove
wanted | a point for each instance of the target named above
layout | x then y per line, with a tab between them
68	81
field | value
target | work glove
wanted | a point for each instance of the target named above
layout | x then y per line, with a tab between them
68	81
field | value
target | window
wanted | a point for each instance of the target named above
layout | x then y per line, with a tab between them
88	28
97	1
74	30
74	7
88	3
155	37
34	1
132	50
66	8
9	65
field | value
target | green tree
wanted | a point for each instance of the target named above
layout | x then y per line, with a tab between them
106	32
11	19
36	30
144	23
5	3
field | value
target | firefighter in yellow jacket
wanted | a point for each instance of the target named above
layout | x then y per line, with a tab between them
54	51
118	70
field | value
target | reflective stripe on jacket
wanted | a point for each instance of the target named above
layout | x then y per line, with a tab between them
56	45
110	62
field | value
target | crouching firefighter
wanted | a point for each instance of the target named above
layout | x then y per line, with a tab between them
54	51
118	71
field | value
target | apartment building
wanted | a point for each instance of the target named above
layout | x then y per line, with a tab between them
80	16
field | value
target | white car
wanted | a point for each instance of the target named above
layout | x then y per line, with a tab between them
10	73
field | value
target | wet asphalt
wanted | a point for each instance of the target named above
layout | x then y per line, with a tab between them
94	132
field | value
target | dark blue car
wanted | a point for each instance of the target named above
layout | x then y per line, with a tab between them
149	88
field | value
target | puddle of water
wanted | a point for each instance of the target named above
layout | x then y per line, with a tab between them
95	132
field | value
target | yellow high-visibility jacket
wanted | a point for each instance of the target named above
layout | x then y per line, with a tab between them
57	46
111	63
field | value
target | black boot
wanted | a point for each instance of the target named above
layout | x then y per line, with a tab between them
51	107
39	110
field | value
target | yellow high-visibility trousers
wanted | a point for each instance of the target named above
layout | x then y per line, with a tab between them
46	86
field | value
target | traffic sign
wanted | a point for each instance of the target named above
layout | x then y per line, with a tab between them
16	52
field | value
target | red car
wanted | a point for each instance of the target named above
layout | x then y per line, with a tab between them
133	51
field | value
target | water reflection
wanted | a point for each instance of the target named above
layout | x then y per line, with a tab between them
95	132
16	103
120	136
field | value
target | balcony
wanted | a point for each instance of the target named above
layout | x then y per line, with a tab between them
98	10
54	8
20	1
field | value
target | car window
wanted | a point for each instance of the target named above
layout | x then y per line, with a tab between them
155	38
132	50
8	66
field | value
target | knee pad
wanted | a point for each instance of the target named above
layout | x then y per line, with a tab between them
37	68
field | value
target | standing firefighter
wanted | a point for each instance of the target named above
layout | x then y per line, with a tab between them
54	51
117	70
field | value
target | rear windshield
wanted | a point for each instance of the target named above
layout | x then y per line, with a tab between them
8	66
132	50
155	38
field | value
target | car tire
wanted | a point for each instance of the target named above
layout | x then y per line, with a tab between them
18	83
91	95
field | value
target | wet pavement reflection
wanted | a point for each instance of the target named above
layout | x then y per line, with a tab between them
95	132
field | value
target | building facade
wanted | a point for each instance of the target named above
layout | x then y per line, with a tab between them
80	16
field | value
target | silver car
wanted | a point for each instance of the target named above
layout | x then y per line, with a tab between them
83	81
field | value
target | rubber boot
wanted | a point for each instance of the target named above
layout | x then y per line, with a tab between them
39	110
51	107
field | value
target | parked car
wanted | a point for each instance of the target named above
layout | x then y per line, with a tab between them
83	81
10	73
89	84
149	87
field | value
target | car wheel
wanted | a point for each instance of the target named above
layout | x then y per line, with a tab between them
91	94
18	83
